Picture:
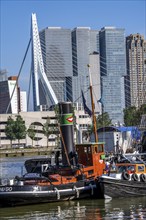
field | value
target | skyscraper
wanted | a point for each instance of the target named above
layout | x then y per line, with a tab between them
3	75
11	100
57	57
113	70
135	82
84	42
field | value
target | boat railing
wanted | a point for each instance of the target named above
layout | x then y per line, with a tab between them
136	157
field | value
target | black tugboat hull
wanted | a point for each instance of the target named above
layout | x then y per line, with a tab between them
115	188
34	194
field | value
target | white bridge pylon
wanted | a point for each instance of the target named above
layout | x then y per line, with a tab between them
38	67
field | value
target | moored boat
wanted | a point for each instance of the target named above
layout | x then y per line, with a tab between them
33	190
126	180
73	178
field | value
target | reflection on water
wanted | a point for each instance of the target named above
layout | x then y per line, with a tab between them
10	167
88	209
125	208
78	210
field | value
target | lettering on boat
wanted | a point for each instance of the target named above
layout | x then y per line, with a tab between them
5	189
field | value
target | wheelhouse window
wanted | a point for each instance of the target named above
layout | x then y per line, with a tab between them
141	168
100	148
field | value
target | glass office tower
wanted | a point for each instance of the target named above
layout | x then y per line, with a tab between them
84	42
113	70
57	57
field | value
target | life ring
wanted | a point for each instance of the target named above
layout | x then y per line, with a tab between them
125	176
142	178
134	177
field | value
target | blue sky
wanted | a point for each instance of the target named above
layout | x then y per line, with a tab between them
16	20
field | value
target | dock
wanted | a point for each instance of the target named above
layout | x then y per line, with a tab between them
27	152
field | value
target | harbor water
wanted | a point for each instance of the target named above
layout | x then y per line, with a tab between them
129	208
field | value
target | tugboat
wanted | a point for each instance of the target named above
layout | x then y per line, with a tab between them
74	178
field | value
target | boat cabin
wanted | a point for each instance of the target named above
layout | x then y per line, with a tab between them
131	168
92	155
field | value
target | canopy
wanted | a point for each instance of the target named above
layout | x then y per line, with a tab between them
135	132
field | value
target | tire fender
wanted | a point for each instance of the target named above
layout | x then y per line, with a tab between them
125	176
134	177
142	177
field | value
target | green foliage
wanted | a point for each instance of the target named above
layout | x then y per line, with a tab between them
56	109
9	129
103	120
132	115
19	128
142	109
49	128
31	132
46	128
15	129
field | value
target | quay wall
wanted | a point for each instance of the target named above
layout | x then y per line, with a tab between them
26	152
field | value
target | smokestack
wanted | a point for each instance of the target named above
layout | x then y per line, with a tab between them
67	133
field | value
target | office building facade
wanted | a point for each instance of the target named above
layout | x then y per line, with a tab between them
12	100
37	119
135	81
9	96
84	42
57	58
113	70
23	101
3	75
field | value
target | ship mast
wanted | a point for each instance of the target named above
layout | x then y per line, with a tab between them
93	106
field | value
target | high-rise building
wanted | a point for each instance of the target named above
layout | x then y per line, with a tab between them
84	42
3	75
9	90
11	100
113	70
23	101
66	56
135	81
57	58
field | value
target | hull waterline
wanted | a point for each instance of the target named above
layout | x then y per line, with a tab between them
113	188
26	195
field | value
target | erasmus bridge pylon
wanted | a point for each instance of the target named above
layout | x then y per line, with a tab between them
37	68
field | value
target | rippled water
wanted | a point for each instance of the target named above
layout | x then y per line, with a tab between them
88	209
79	210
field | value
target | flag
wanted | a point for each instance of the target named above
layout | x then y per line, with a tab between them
101	101
86	109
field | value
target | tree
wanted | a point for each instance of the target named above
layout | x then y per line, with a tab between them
31	132
103	120
132	115
46	129
141	111
49	128
9	130
19	128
